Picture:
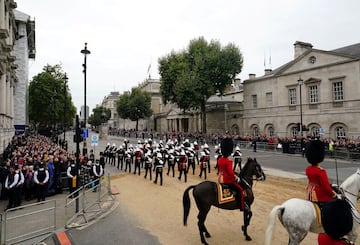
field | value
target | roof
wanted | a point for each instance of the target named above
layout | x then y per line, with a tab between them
352	50
214	99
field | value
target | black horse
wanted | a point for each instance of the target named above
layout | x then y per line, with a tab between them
206	195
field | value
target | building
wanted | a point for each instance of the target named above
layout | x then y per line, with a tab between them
318	88
24	49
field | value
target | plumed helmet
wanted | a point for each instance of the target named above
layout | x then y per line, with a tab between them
337	219
226	146
159	155
315	152
108	143
237	148
114	144
206	146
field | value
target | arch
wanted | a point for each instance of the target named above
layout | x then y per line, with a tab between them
292	129
338	130
314	129
255	130
235	129
269	130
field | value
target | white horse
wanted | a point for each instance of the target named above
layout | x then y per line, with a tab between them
298	216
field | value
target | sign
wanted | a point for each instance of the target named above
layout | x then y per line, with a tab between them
94	140
86	133
321	131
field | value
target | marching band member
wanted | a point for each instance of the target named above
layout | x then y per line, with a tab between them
183	165
237	158
203	163
159	164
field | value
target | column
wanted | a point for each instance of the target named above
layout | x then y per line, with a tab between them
2	94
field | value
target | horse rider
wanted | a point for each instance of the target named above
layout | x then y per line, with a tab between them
237	158
203	163
183	161
226	173
159	164
319	189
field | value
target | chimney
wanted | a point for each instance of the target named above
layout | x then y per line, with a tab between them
268	71
252	76
300	48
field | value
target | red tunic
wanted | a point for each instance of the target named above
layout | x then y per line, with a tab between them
325	239
319	188
226	169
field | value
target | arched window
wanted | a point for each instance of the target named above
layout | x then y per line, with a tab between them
340	132
270	131
294	132
255	131
315	131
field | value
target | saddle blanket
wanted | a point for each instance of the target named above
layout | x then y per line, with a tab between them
224	194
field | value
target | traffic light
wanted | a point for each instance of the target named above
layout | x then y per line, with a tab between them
77	137
298	127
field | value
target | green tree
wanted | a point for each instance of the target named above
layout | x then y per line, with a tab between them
191	76
99	115
49	102
134	106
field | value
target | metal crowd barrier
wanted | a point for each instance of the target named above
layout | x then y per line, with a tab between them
87	202
29	221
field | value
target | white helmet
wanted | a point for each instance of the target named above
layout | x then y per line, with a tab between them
206	145
114	144
159	155
237	148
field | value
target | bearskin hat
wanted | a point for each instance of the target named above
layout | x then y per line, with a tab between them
315	152
337	218
226	146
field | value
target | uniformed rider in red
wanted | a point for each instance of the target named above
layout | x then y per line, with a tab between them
318	189
226	173
325	239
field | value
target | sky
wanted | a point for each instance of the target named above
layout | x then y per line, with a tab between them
126	37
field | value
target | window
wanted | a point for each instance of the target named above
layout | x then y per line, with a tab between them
292	96
269	101
255	131
270	131
294	131
315	132
338	93
340	132
254	100
313	92
312	59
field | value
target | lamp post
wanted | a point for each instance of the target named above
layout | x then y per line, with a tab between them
65	83
85	51
300	82
226	108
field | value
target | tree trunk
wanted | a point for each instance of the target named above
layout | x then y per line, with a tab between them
203	119
137	124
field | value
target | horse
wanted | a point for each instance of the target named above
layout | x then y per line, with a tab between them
298	216
206	195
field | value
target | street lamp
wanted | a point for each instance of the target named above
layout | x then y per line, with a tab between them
65	83
300	82
85	51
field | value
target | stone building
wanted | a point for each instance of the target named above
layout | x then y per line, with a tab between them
17	45
318	88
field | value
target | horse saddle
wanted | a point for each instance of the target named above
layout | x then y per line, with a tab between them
225	194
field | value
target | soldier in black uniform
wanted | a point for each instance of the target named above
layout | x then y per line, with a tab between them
237	158
159	164
128	160
148	164
170	158
138	159
120	157
41	177
207	152
203	163
183	165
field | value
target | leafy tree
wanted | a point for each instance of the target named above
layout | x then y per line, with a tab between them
135	105
49	102
99	115
191	76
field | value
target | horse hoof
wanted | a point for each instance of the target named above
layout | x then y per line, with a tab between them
248	238
207	235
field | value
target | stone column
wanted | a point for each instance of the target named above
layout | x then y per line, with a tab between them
2	94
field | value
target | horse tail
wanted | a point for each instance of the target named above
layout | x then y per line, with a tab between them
276	211
186	203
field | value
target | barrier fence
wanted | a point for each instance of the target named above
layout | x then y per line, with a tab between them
28	221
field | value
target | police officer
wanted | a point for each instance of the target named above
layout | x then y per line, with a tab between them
41	177
10	184
73	172
98	171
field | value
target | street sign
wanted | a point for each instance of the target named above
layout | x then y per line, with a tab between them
86	133
321	131
94	140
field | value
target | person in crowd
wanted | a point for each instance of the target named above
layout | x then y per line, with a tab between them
19	185
29	183
72	173
51	169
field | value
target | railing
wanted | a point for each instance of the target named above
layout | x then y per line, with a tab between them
29	221
87	202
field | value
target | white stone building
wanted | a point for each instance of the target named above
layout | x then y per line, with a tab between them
330	95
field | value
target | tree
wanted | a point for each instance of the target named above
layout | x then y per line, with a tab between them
99	115
134	106
191	76
47	99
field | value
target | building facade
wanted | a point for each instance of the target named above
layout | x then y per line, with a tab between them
318	88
